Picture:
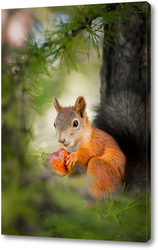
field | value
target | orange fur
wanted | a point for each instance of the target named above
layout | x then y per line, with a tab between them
92	148
105	162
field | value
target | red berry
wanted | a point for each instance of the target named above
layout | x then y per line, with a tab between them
57	161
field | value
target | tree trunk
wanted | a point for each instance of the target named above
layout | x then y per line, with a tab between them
126	64
126	73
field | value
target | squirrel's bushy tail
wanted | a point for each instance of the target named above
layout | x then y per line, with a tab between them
125	116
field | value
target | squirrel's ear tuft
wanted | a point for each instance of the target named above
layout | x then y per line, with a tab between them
80	106
56	104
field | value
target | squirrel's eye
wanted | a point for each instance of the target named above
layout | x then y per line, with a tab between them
54	124
75	123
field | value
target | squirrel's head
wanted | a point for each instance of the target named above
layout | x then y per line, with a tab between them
70	122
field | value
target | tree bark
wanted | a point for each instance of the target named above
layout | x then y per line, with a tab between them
126	73
126	64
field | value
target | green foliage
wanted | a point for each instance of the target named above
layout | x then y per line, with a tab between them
88	25
34	203
46	207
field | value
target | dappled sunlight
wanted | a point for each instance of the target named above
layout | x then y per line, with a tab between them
16	27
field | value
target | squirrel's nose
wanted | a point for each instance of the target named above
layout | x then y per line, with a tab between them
61	140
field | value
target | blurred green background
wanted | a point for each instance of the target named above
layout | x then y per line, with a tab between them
35	202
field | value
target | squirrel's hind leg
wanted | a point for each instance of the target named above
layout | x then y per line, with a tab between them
105	177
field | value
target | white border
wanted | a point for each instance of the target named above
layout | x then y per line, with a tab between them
19	243
45	3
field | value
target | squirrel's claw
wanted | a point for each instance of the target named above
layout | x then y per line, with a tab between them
70	161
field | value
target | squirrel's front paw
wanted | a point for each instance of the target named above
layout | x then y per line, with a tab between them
70	161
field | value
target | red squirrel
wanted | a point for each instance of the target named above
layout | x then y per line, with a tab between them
90	147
